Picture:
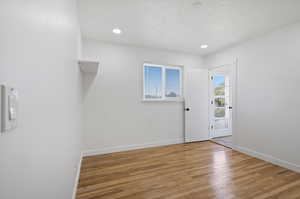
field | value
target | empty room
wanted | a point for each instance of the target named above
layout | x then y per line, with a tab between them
149	99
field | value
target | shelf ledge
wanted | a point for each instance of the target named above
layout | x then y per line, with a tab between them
89	66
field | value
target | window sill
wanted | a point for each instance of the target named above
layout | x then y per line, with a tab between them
163	100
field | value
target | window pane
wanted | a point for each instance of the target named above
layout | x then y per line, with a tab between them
219	112
220	102
172	83
219	83
221	124
153	82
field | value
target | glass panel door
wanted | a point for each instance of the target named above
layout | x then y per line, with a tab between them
220	101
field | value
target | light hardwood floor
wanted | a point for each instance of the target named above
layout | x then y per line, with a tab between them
190	171
225	141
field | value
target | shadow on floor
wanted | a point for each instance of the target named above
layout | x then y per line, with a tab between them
225	141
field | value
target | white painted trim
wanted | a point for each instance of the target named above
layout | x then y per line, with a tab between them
268	158
235	101
77	176
177	99
131	147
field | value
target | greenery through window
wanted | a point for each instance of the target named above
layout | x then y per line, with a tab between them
219	85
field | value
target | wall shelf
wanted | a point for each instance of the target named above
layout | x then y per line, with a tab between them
89	66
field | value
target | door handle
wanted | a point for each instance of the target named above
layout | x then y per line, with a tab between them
230	107
187	109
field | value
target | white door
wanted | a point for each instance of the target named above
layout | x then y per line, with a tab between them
221	87
196	105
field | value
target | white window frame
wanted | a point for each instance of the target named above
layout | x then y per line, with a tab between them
163	86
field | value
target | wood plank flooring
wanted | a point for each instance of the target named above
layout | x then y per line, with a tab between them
184	171
225	141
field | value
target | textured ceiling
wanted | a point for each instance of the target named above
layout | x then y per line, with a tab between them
183	25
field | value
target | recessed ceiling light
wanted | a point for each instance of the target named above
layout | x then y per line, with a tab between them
197	4
204	46
117	31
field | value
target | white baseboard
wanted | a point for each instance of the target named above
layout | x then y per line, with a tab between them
268	158
130	147
77	177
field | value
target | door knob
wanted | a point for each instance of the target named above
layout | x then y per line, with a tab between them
187	109
230	107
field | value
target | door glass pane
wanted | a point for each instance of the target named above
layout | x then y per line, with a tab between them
221	124
219	112
153	82
220	102
219	85
172	83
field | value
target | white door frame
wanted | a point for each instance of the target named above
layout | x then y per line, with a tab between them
234	97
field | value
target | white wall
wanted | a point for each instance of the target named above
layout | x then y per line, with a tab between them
38	55
268	97
115	118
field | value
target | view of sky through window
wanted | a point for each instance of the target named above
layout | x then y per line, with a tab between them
172	82
219	82
153	82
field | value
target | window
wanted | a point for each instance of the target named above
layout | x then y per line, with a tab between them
221	99
153	82
219	92
162	82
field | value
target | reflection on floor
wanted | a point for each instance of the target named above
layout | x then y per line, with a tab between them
225	141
